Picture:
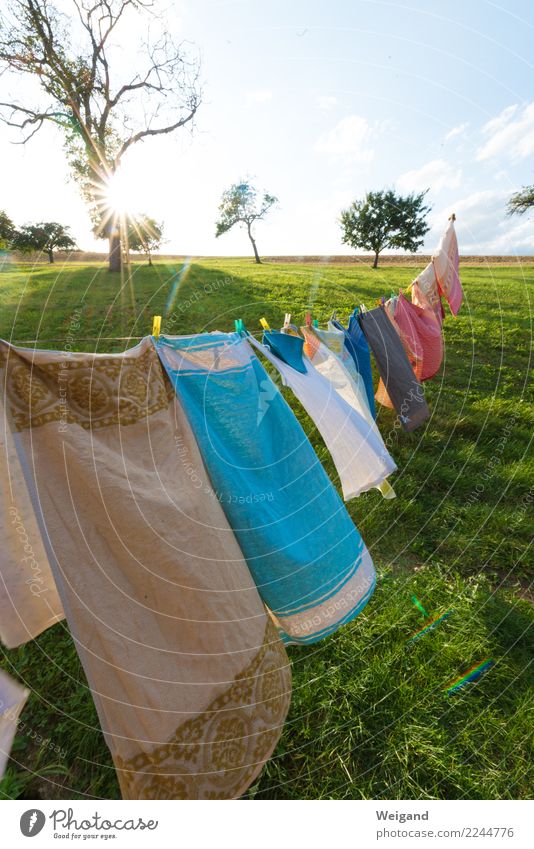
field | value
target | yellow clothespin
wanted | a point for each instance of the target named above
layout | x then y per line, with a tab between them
264	323
156	326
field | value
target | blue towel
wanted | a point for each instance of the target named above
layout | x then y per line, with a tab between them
287	348
356	345
307	559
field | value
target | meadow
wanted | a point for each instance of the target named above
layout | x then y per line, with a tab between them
370	716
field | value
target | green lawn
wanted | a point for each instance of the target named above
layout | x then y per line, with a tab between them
369	717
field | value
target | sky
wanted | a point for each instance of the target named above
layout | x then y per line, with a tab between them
319	102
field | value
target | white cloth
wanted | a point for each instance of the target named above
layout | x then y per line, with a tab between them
12	699
360	457
29	600
352	390
348	382
332	338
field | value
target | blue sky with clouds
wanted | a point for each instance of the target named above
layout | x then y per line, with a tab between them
321	101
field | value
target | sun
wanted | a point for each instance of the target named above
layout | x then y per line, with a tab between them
120	195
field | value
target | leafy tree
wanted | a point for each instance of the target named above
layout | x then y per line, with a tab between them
521	201
47	237
84	90
385	220
144	234
240	204
7	230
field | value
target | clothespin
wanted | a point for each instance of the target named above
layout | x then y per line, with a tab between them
264	323
308	319
383	300
156	326
239	326
315	322
287	319
363	308
333	317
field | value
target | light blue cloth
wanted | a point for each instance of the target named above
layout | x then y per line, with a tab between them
307	559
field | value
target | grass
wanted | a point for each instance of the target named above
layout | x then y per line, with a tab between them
370	717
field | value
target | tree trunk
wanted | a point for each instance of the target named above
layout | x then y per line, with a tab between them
50	255
375	263
149	255
115	262
251	237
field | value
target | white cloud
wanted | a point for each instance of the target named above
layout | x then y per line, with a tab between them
260	95
350	138
510	134
457	131
325	101
436	175
501	120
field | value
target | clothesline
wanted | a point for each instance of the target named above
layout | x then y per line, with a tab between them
258	333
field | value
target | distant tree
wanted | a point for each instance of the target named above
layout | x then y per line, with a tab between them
240	204
385	220
521	201
7	230
103	103
144	234
45	237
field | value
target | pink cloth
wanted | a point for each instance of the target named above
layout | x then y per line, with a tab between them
440	278
446	263
421	330
426	294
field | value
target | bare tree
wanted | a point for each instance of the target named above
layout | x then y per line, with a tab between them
240	204
101	114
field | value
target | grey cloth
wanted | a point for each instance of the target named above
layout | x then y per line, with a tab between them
403	388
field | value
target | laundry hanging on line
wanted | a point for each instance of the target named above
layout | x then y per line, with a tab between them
421	331
333	369
308	560
403	388
441	277
190	680
29	600
360	457
333	340
356	345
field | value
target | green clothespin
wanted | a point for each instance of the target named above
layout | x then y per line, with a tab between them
315	323
240	327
